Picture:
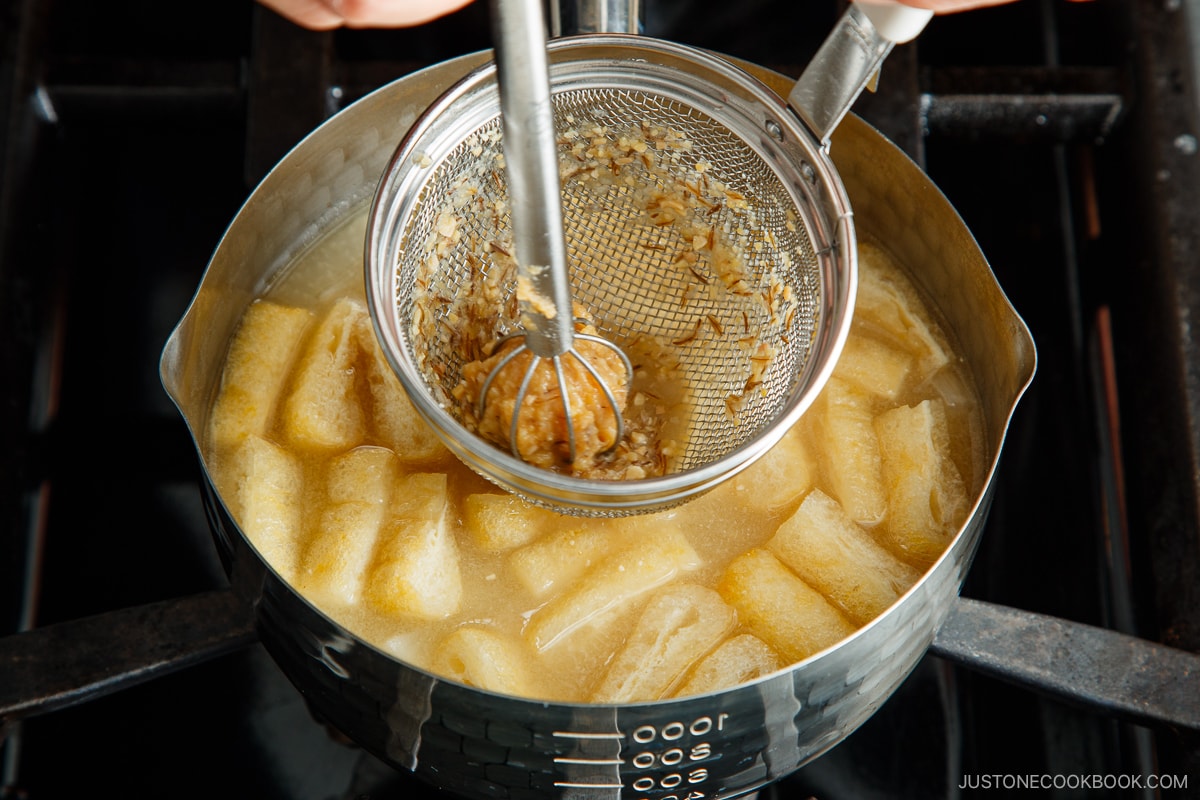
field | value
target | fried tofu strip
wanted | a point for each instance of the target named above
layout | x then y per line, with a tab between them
611	586
256	371
928	499
358	485
394	420
831	553
556	560
486	659
323	411
559	558
679	625
779	608
415	571
849	448
874	366
499	522
267	499
894	311
739	659
780	477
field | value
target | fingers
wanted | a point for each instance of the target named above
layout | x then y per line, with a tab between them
328	14
952	6
312	14
392	13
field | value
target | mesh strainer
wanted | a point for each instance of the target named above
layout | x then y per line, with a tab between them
707	234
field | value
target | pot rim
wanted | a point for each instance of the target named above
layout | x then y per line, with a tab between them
950	559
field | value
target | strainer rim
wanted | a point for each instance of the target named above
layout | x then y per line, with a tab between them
567	493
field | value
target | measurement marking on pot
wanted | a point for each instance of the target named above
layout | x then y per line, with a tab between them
680	757
604	761
575	735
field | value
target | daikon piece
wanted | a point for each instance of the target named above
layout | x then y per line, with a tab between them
927	499
358	485
486	659
323	410
778	607
415	571
849	449
499	522
834	555
874	366
892	308
680	624
611	586
256	371
267	500
394	420
739	659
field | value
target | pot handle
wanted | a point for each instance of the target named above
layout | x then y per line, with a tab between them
849	60
61	665
1094	667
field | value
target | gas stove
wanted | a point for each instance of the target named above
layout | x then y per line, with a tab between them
1064	133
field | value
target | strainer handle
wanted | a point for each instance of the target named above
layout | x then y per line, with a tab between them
531	165
849	59
895	22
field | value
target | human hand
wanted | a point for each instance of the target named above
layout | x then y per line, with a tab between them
951	6
323	15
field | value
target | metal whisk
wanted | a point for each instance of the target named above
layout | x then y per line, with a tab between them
531	164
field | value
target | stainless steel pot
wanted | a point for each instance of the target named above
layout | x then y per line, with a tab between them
484	745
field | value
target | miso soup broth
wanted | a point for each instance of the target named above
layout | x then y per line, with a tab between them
329	471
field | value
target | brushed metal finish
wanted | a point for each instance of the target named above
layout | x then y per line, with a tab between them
843	66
